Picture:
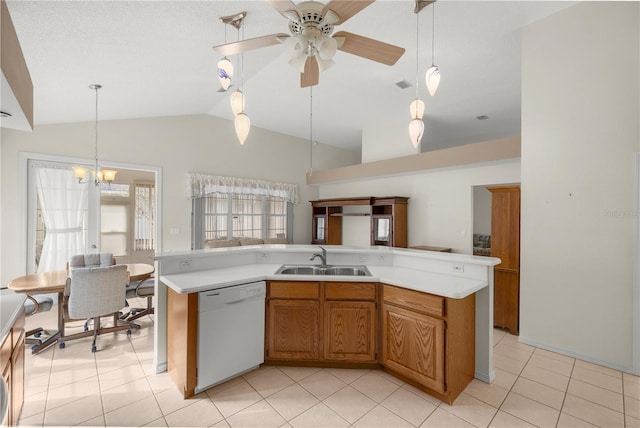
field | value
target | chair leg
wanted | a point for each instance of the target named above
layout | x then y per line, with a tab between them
96	325
136	313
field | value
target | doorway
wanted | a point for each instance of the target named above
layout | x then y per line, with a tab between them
65	217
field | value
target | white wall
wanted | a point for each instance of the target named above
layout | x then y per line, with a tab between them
387	141
440	204
178	145
580	113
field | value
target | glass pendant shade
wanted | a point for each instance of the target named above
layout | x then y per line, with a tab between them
327	48
432	78
416	109
237	102
242	125
80	172
109	175
416	129
225	72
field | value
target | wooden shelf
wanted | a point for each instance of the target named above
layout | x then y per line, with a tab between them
350	214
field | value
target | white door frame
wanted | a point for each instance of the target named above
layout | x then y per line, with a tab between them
23	159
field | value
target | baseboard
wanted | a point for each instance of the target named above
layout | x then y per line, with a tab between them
160	368
487	378
577	355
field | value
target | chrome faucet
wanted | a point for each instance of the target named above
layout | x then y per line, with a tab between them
323	256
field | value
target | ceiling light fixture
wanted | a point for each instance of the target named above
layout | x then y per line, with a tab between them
98	175
416	108
432	76
225	66
242	123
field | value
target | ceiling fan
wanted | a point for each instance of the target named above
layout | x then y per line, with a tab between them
311	42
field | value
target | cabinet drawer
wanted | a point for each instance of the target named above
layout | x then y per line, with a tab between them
415	300
294	290
349	291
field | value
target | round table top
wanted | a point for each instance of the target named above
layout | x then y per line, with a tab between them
54	282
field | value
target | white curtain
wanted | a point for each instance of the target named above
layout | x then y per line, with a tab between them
199	185
63	203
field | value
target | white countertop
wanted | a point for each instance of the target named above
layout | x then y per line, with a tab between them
10	305
429	282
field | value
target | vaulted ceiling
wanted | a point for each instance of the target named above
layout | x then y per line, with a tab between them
155	58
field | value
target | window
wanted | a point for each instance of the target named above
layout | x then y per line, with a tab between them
234	207
240	216
113	229
144	217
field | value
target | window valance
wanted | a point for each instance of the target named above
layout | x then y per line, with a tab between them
199	185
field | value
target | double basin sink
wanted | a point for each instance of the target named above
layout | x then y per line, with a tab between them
344	270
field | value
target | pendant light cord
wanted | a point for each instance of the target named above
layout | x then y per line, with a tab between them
433	34
417	51
96	87
310	130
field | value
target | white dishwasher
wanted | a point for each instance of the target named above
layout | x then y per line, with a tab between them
230	332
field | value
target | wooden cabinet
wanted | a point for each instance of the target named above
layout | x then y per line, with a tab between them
182	340
388	223
293	321
321	322
505	244
12	370
428	340
350	322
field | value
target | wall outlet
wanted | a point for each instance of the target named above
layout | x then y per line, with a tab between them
174	231
263	257
457	268
363	258
185	264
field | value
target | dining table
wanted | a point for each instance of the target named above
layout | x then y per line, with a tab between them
55	282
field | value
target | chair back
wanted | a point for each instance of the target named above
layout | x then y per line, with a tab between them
97	291
90	260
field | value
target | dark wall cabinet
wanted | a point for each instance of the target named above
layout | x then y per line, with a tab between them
388	219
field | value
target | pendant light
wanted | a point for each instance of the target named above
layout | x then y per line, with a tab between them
242	123
416	108
97	175
432	76
225	67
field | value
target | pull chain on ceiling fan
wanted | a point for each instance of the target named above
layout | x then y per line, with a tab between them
311	44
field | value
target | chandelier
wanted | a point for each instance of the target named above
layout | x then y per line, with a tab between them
96	175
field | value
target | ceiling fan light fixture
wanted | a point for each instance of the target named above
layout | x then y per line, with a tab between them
243	126
432	78
298	59
324	64
330	17
327	48
416	108
225	72
416	130
237	102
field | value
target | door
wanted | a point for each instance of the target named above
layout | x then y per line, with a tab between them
294	329
118	217
350	331
413	346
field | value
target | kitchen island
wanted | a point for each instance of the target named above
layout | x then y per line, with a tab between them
452	295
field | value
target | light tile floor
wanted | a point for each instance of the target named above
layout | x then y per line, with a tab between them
117	387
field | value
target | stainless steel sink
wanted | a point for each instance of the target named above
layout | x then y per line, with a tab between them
344	270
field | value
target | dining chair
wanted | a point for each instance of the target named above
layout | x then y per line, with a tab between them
135	289
33	305
96	292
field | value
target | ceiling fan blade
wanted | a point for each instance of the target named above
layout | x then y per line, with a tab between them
249	44
283	6
345	9
311	75
365	47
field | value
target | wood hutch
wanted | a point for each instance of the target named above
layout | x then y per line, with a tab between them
388	219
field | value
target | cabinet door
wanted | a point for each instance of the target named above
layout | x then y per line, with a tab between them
6	376
413	346
293	329
17	380
506	299
349	333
